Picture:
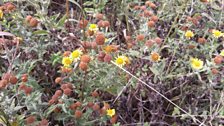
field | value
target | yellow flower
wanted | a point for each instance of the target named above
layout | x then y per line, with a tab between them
93	27
111	112
155	57
76	54
222	53
217	33
106	40
120	61
189	34
127	60
196	63
66	61
1	14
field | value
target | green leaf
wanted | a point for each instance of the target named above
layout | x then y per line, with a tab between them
89	10
88	3
61	21
41	32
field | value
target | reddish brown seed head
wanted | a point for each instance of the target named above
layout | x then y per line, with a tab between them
95	94
96	107
30	120
107	58
58	80
85	58
68	91
100	39
83	23
100	23
13	79
140	37
3	83
106	23
158	40
24	78
214	71
90	104
6	76
58	93
28	90
78	114
33	22
151	24
218	59
44	122
83	66
99	16
201	40
28	18
154	18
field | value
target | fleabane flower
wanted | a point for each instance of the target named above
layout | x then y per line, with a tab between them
217	33
66	61
93	27
111	112
120	61
155	57
196	63
76	54
189	34
222	53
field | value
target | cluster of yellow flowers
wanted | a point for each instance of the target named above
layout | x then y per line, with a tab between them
74	56
216	33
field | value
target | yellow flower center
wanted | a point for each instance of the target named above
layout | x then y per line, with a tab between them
155	57
120	61
93	27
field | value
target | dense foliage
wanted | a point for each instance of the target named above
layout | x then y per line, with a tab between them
112	62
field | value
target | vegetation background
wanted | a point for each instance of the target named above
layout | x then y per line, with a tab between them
112	62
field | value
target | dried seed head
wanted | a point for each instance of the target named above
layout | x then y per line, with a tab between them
140	37
85	58
151	24
58	80
78	114
100	39
96	107
218	59
68	91
83	66
30	120
33	22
